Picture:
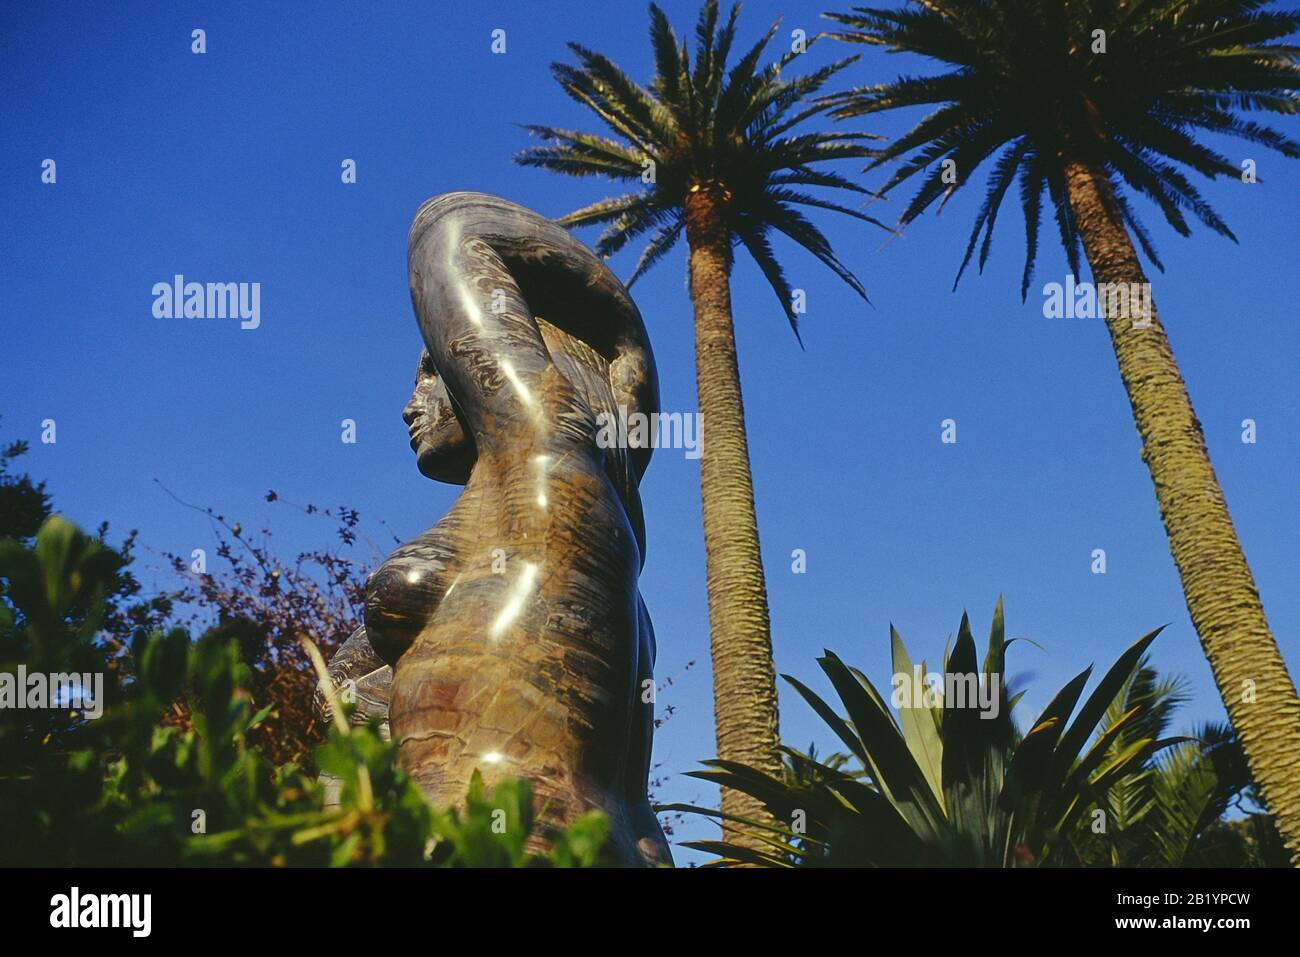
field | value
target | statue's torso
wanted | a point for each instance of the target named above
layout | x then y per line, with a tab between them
525	660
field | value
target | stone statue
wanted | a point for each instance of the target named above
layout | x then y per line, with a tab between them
511	637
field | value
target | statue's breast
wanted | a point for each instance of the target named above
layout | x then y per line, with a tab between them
404	592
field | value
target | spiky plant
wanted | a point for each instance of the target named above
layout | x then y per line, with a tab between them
950	781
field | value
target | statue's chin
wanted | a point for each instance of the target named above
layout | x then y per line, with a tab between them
442	465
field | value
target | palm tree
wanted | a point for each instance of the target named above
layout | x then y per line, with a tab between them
1088	99
714	153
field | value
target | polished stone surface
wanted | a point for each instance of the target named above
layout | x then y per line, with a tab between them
511	637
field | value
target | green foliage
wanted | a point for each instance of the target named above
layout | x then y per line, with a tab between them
1171	812
1031	79
24	507
128	789
947	783
704	123
493	832
24	504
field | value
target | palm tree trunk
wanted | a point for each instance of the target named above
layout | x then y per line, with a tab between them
744	679
1221	595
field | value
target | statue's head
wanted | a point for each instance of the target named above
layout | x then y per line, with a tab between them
471	254
443	449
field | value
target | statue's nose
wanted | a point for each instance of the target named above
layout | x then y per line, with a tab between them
410	412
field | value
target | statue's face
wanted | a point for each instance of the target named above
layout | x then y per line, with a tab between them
443	451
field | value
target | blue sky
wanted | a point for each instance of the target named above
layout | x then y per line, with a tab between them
226	167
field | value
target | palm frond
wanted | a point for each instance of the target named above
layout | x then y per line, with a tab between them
1025	76
703	120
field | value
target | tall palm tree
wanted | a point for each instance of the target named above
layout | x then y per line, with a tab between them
1093	101
713	153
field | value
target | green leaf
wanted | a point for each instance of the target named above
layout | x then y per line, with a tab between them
1073	740
918	725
